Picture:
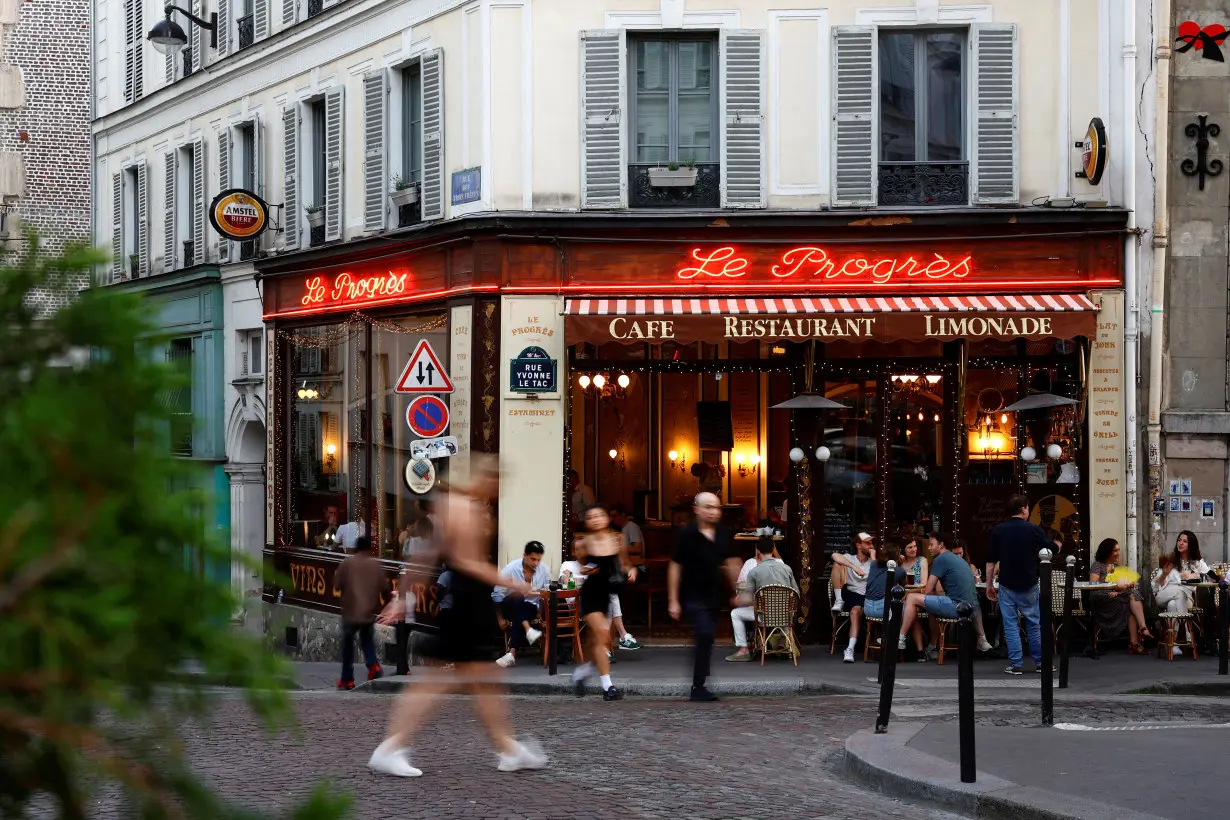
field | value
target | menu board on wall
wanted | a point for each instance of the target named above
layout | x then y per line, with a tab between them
838	531
1108	419
459	352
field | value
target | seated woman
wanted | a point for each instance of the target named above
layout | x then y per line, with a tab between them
1192	567
959	550
1117	610
913	562
1167	586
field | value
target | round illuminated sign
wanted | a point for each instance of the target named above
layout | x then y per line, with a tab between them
1093	151
238	214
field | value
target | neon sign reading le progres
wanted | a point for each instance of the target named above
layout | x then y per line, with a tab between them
811	262
349	288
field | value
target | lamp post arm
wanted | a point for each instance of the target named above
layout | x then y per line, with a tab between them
210	25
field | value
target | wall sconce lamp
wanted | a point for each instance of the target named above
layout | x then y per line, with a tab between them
306	392
606	387
169	38
618	457
330	455
743	468
679	461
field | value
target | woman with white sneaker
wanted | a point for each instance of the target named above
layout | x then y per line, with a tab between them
603	555
464	637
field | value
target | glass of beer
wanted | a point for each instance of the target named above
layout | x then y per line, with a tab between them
909	579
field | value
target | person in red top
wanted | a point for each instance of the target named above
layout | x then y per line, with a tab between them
364	588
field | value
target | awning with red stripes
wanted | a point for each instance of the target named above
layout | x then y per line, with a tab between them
878	318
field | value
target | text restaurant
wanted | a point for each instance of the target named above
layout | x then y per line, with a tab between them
822	376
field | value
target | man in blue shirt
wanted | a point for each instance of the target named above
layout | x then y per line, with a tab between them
529	569
956	581
1015	545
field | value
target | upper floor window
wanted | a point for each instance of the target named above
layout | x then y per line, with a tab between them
674	107
412	123
129	210
922	96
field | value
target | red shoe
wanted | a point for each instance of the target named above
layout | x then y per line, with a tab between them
345	685
374	671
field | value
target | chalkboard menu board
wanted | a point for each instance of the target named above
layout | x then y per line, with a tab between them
838	531
714	426
982	507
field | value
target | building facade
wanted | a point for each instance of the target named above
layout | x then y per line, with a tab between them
1189	402
626	231
44	125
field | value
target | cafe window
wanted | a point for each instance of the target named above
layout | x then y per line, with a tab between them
347	437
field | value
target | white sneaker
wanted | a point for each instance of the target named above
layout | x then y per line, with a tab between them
1178	653
389	760
507	660
848	655
983	646
532	635
837	604
901	643
526	755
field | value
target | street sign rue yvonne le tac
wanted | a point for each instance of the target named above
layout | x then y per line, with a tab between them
424	373
533	371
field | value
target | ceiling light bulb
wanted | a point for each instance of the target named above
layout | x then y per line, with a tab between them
583	381
934	378
623	380
600	381
920	415
937	417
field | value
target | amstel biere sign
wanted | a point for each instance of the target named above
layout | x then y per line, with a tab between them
239	215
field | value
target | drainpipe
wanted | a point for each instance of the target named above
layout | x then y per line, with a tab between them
1130	250
1161	241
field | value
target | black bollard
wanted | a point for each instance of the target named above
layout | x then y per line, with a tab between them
1223	629
888	617
1069	582
552	647
1047	596
965	692
888	653
401	636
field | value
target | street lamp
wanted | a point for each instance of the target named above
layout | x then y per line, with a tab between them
169	38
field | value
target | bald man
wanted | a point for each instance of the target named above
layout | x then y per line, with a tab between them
703	572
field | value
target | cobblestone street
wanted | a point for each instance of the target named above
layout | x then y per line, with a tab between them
638	758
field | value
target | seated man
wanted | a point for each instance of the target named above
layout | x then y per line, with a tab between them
770	569
520	611
850	585
955	579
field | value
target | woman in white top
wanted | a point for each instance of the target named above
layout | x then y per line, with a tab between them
1187	550
1167	585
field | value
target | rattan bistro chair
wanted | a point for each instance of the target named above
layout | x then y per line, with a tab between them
1173	622
1058	580
776	608
840	619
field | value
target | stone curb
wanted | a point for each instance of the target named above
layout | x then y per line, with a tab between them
562	685
889	765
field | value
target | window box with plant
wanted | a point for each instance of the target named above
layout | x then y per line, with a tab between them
134	265
405	192
673	175
315	215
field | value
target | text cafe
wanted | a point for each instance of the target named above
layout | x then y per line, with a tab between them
889	381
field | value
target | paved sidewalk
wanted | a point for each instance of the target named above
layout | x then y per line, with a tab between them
1118	770
665	672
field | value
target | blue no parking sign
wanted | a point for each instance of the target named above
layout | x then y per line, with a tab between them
427	416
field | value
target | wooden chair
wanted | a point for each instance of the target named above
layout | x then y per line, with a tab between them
1173	621
875	629
567	623
775	609
941	643
839	620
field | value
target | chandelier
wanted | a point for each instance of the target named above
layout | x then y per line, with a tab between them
603	385
911	384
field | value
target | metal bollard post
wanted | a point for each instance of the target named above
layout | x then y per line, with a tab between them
1047	596
1069	582
889	583
401	637
552	647
965	693
1223	620
888	652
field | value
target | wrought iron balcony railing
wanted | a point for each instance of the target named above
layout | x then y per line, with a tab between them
923	183
705	193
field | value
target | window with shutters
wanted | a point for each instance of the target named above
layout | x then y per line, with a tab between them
923	158
134	42
184	249
673	121
131	220
251	347
316	166
245	23
411	116
179	356
244	173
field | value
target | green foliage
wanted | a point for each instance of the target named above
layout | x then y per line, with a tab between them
100	609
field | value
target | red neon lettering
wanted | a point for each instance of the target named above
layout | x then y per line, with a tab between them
812	262
348	288
732	266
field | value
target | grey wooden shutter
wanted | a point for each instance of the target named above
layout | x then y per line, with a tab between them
855	100
431	198
290	183
258	162
117	227
168	225
224	27
224	182
133	42
142	215
195	41
334	139
198	202
260	20
743	166
604	172
170	68
996	154
290	11
375	170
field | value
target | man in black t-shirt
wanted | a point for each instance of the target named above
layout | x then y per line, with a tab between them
702	568
1014	554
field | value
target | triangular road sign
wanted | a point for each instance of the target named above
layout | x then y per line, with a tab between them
424	373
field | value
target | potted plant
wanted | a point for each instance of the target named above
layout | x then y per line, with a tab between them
134	265
673	175
315	215
404	192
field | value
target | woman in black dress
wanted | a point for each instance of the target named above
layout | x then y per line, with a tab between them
604	555
465	635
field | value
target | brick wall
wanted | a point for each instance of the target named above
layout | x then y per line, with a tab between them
50	44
